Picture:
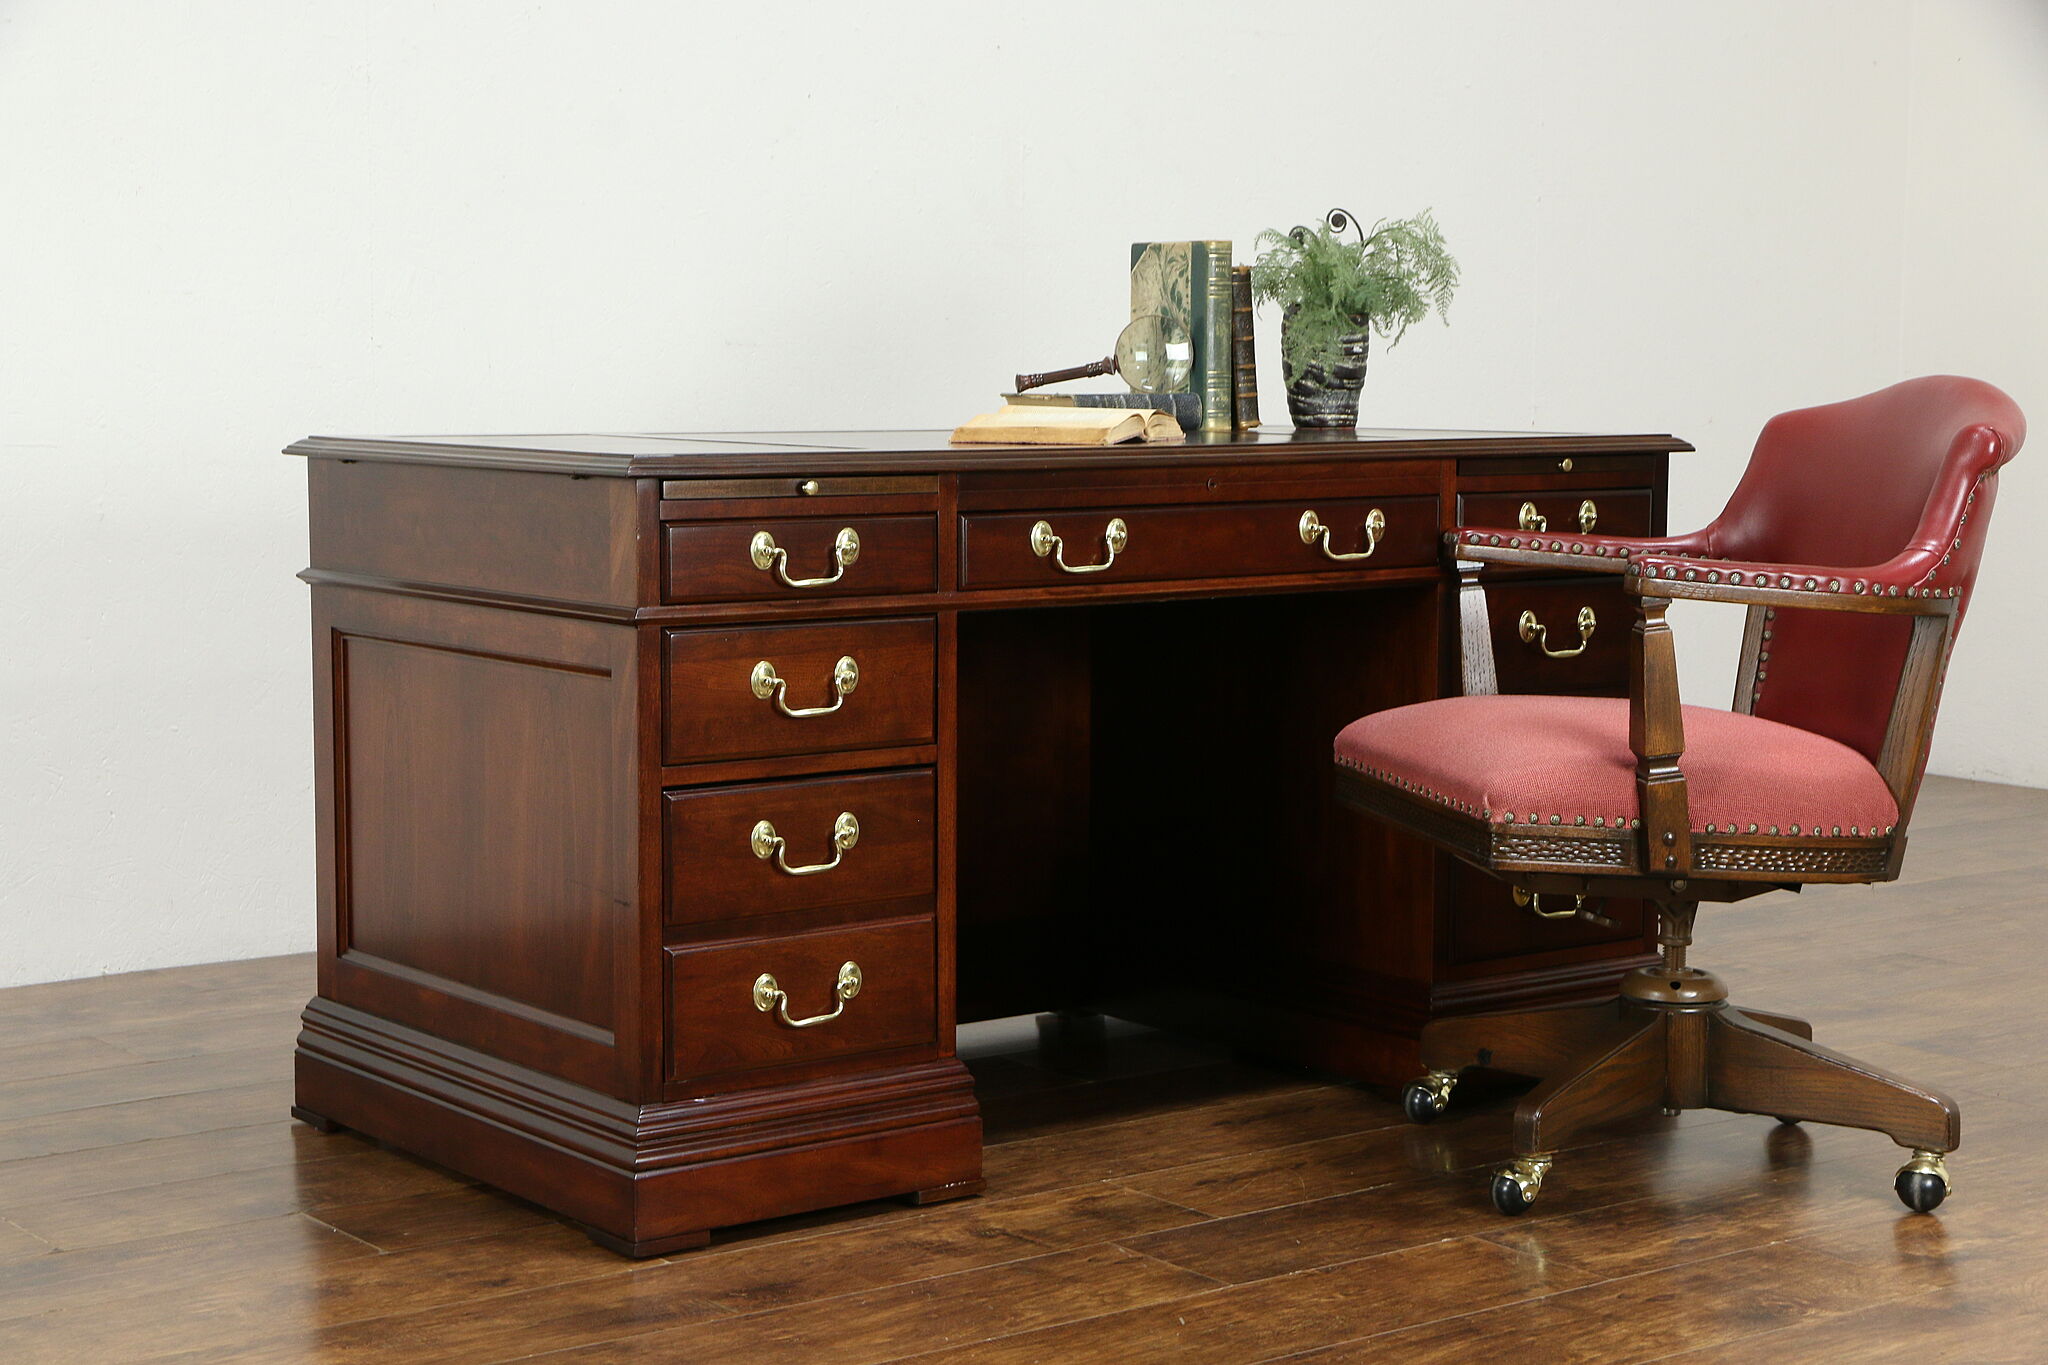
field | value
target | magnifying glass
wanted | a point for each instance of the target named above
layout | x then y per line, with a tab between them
1153	355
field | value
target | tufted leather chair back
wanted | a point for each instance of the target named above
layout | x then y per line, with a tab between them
1903	477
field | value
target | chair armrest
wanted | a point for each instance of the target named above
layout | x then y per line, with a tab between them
1585	553
1469	548
1900	586
1905	584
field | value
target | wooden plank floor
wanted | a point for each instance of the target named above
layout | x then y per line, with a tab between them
1148	1200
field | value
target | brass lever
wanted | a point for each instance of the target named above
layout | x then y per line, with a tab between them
1589	517
1313	532
1115	536
770	686
770	996
1532	902
1534	632
1529	519
769	556
768	844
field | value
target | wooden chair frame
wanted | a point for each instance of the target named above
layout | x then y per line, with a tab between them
1672	1041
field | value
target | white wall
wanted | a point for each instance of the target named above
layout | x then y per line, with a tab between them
1975	301
227	223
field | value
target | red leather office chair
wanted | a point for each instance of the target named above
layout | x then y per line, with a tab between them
1853	538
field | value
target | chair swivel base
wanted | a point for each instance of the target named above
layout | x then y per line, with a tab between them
1673	1042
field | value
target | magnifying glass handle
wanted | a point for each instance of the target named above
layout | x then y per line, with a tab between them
1106	365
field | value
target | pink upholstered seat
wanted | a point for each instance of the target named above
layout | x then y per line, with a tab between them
1542	760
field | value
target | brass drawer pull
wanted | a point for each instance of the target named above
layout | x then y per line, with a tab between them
770	686
1115	536
769	996
769	556
1313	532
1534	632
1529	519
1589	517
768	844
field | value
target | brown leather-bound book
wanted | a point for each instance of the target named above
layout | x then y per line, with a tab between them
1244	360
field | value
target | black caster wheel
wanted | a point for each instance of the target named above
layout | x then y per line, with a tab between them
1427	1098
1922	1183
1510	1197
1516	1185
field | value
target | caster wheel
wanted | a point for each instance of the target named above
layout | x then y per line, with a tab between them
1516	1185
1423	1100
1510	1196
1919	1191
1922	1183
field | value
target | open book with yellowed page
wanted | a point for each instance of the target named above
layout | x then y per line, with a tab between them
1033	424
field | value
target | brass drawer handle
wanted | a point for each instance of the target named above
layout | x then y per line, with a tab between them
769	556
770	686
768	844
1313	532
1529	519
1534	632
1115	536
769	996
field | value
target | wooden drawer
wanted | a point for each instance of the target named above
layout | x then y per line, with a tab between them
721	561
713	682
1521	665
715	871
1619	469
1487	924
716	1027
1228	541
1567	511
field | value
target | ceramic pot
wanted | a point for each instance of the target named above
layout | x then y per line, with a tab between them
1326	392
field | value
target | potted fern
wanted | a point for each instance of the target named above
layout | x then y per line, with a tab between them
1334	294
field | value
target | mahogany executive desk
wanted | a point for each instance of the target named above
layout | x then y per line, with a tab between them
678	794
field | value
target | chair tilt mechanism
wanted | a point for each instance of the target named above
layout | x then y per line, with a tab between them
1853	539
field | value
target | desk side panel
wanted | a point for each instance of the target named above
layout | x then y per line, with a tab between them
479	820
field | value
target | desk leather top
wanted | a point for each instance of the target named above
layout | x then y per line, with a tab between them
728	453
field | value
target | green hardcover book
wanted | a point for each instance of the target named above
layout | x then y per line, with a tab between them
1190	281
